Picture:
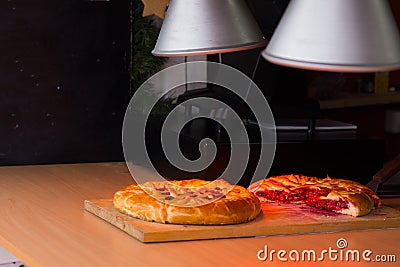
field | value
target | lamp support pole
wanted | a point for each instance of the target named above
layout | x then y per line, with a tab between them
253	74
186	74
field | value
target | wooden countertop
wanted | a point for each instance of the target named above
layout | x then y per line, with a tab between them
357	100
43	223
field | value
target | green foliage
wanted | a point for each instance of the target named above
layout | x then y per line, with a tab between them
144	36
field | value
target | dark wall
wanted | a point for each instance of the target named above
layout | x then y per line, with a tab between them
63	80
394	76
284	88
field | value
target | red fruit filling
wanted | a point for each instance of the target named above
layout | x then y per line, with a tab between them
328	204
309	196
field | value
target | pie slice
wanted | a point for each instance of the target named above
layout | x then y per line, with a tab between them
337	195
191	201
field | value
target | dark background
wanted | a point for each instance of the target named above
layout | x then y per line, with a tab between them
64	84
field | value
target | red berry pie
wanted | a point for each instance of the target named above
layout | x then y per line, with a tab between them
337	195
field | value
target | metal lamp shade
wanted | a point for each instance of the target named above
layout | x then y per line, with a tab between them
195	27
336	35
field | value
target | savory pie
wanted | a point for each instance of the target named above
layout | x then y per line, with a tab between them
192	201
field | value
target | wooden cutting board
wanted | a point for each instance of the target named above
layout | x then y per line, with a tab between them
275	219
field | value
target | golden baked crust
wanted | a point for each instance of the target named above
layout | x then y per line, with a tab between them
338	195
183	202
